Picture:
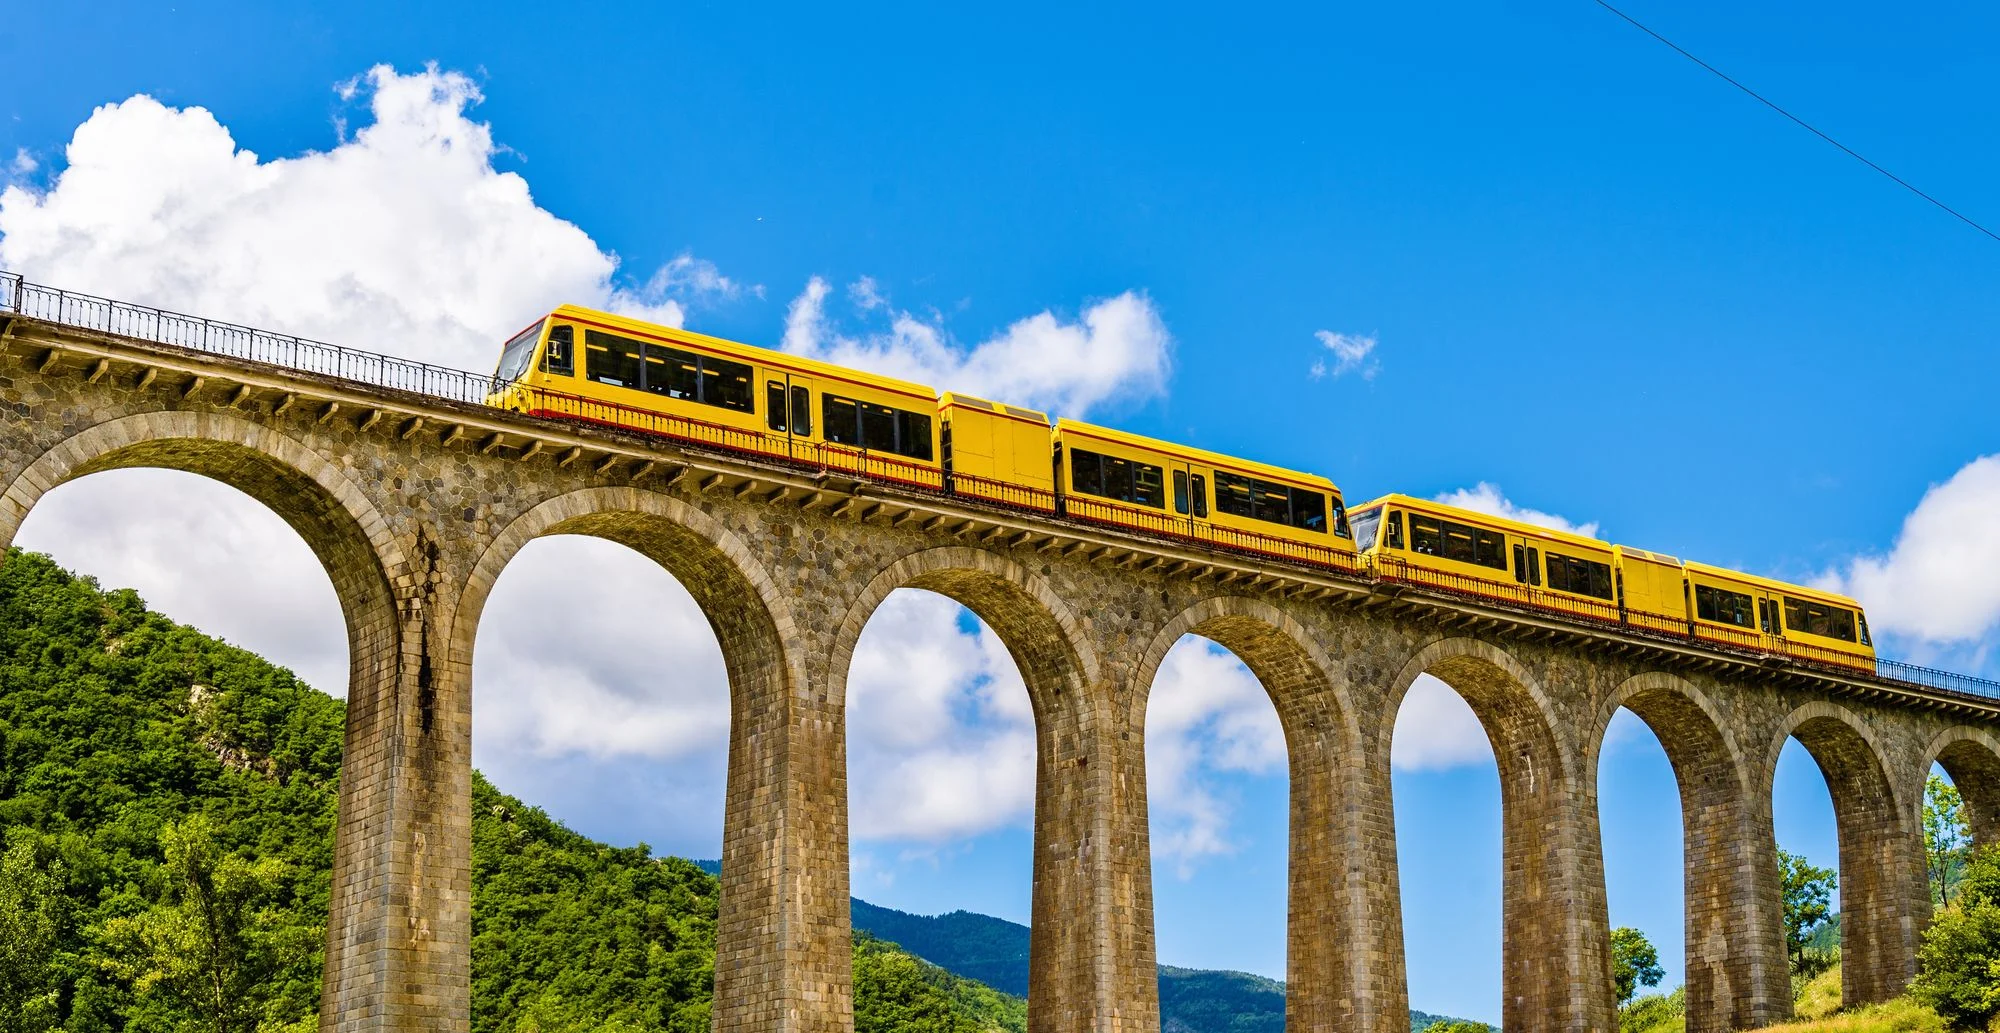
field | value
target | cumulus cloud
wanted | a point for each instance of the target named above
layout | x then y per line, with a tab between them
1937	583
1207	719
1487	498
632	671
258	585
1116	348
941	737
1436	730
403	238
1351	353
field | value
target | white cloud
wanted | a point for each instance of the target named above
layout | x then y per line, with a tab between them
1486	498
1352	353
403	239
941	738
1207	718
629	670
1937	583
205	555
1436	730
24	164
1118	348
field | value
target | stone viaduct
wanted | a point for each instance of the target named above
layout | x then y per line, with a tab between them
415	504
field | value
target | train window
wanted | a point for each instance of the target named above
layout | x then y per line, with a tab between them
1232	495
1110	477
1365	524
1270	502
1180	491
1722	607
877	428
1309	510
1863	618
674	373
1534	566
1581	576
1521	563
1455	541
514	357
913	434
1766	618
611	359
1340	528
774	404
841	419
1200	496
559	358
726	384
1819	619
1394	539
802	417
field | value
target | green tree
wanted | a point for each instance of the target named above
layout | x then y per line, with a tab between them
30	919
1958	966
213	944
1634	962
1457	1026
1945	836
1808	895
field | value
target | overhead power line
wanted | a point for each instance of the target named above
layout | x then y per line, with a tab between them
1807	126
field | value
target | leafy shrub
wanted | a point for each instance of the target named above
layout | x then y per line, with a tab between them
1958	966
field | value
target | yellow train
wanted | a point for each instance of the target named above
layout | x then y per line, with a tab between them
1405	540
580	364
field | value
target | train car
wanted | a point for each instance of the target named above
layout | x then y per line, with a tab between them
1749	612
1408	540
1112	477
998	452
581	364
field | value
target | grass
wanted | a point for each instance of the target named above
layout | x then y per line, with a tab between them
1818	1011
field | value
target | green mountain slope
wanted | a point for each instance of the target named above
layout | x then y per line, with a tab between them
152	778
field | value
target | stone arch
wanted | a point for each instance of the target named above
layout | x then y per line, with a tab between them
312	494
1326	929
1040	630
737	595
1091	925
1881	860
1510	702
1971	756
1555	960
776	927
371	932
1307	689
1735	960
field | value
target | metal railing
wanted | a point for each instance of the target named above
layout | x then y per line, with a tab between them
20	297
238	342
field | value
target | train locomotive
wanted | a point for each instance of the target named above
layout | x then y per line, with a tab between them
583	365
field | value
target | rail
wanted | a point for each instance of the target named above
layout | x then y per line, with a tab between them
84	311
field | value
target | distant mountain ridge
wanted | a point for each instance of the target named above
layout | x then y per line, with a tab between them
994	951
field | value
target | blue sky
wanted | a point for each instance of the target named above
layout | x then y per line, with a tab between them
1564	263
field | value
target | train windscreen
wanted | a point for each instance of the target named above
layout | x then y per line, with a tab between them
514	358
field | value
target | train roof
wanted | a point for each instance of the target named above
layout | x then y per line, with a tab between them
1773	584
951	398
785	360
1476	516
1248	466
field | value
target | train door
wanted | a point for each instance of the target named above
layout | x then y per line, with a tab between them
1190	496
1528	566
1770	621
788	413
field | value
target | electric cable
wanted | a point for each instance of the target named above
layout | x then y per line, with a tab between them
1807	126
